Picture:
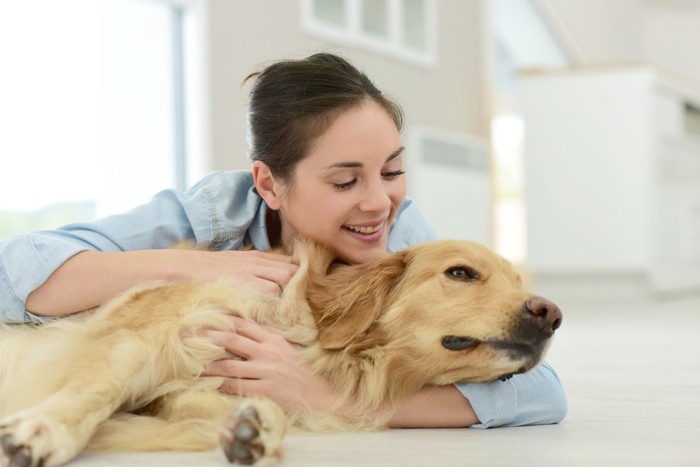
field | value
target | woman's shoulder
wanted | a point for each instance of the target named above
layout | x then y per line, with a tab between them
230	192
227	181
233	208
409	227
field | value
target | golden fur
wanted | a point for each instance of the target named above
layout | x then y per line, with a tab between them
125	377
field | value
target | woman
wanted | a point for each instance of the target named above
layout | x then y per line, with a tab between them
327	164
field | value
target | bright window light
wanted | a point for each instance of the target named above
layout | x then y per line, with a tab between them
508	133
88	109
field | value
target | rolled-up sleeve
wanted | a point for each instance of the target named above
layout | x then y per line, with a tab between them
533	398
26	261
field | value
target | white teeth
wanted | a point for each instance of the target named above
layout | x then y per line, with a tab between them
364	230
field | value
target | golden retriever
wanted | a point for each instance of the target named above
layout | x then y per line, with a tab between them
126	376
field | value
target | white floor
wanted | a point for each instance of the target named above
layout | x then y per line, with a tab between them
632	375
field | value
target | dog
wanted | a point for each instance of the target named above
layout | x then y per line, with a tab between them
126	376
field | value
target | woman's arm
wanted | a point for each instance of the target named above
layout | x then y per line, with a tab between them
222	210
434	407
534	398
89	278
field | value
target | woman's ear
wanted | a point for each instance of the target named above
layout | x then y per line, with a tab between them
266	185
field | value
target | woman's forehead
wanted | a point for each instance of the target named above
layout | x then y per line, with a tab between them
360	135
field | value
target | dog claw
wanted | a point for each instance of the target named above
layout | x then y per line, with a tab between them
16	455
240	453
248	412
6	442
23	458
241	437
246	431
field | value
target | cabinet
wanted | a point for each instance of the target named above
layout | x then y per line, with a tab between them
612	176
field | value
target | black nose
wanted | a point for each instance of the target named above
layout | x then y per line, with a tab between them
547	315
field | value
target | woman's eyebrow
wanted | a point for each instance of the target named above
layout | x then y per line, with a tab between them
350	165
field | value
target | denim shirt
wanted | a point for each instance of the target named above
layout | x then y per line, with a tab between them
224	211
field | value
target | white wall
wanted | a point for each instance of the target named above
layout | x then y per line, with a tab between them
245	34
662	33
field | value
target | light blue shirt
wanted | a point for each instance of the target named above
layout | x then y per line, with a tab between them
223	210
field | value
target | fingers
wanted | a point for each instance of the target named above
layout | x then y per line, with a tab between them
244	387
271	256
266	271
233	369
275	276
246	339
235	344
266	285
253	331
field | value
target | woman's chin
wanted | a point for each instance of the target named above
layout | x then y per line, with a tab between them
362	255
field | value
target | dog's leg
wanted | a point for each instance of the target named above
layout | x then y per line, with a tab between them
197	420
253	433
187	420
128	432
63	406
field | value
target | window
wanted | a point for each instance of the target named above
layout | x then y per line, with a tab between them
403	29
91	109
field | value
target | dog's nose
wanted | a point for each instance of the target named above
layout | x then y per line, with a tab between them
546	313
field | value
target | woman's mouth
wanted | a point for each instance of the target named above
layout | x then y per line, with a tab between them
366	233
363	229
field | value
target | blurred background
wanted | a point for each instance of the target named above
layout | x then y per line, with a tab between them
563	133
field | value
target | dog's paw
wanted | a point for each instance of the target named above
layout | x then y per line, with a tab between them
28	440
253	433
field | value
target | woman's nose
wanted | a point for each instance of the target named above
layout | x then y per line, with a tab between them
375	197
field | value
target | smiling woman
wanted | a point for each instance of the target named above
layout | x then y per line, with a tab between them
74	72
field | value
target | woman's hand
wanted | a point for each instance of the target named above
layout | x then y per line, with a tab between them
271	367
266	271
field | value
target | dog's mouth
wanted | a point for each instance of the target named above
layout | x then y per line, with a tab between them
507	376
458	343
530	352
516	350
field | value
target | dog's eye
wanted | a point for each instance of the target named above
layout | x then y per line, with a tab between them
463	273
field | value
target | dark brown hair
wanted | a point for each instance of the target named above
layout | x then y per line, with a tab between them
293	102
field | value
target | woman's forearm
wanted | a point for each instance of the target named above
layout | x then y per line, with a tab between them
434	407
90	278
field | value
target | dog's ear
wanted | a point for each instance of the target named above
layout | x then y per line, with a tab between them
349	299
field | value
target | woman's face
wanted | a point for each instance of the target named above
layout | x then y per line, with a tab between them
347	190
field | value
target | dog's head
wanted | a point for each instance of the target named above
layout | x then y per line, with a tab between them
440	313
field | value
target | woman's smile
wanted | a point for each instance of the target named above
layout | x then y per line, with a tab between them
370	233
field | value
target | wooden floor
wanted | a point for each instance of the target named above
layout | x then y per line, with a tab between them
632	376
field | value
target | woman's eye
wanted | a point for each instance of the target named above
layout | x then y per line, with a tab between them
393	174
346	185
